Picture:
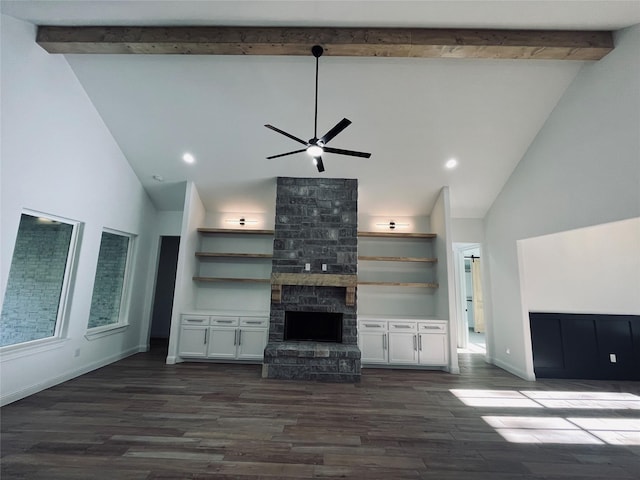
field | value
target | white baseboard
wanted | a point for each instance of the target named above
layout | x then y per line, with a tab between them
510	368
6	399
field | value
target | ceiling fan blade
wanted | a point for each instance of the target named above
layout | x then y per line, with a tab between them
288	153
286	134
346	152
319	164
341	125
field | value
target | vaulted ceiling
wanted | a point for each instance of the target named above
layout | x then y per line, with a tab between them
412	114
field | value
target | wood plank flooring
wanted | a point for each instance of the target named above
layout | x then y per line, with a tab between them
142	419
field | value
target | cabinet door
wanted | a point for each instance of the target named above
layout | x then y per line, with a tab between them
373	346
403	347
222	342
432	349
251	343
193	341
403	343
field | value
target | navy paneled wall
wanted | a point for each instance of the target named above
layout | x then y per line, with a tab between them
589	346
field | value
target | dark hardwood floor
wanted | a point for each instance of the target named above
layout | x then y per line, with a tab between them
142	419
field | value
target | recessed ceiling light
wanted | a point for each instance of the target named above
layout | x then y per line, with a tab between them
188	158
451	163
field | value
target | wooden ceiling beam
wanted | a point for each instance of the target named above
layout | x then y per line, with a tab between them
360	42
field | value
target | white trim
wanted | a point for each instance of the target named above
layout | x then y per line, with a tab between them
62	316
33	347
513	370
125	298
526	324
71	374
105	331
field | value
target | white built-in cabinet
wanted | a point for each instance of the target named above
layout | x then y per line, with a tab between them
403	342
223	337
396	272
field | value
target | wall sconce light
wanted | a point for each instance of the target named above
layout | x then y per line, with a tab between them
242	221
392	225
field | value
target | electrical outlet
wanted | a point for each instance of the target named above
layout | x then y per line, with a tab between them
324	267
307	267
612	358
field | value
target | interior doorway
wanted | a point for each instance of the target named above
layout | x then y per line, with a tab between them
469	299
163	296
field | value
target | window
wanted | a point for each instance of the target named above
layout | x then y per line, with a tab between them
109	300
35	297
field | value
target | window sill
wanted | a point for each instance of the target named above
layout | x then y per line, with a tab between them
105	331
12	352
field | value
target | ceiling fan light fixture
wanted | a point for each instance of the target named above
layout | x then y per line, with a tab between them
315	150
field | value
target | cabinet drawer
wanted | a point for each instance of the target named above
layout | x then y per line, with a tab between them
402	327
372	325
195	320
254	322
432	327
224	321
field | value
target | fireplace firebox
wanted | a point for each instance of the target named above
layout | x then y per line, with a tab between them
313	326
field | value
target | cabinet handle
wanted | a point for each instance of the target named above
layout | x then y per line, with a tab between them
415	343
430	327
369	325
420	342
224	321
253	322
206	334
401	326
235	337
195	320
239	337
384	341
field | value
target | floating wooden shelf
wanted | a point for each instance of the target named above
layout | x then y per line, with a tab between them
401	284
397	259
232	279
396	234
233	231
233	255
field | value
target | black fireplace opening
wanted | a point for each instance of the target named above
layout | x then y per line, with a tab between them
313	326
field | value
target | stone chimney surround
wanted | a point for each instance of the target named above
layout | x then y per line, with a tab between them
314	272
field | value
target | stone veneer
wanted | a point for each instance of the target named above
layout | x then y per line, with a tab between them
316	222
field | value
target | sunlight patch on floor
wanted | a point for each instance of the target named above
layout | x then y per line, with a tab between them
557	430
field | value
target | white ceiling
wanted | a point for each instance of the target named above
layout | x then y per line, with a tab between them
411	114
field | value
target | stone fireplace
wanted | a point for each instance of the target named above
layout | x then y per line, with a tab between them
313	323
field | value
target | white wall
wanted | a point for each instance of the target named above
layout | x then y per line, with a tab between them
169	223
467	230
588	270
445	293
185	292
58	157
582	169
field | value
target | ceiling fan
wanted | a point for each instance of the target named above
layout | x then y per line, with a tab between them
317	146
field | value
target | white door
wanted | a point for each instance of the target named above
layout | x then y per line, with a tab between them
251	343
432	349
402	348
223	342
403	343
373	346
193	341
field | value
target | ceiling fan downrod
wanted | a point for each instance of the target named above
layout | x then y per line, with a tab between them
317	52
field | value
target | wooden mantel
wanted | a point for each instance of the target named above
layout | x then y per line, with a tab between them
359	42
314	279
